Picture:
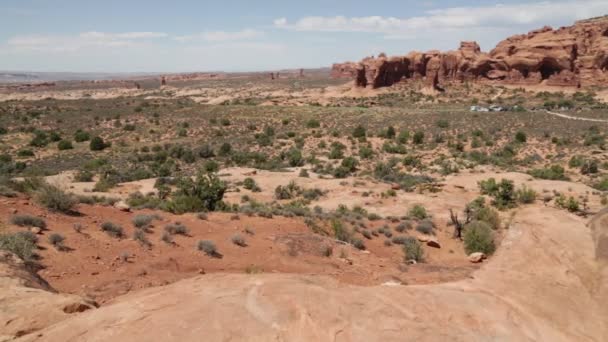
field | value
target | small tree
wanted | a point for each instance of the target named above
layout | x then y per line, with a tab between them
97	144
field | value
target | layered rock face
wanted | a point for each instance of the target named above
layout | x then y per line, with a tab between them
572	56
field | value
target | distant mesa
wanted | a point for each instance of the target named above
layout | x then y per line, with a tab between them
573	56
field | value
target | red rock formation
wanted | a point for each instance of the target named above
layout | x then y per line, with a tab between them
570	56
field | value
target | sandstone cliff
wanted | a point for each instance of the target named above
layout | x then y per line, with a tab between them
573	56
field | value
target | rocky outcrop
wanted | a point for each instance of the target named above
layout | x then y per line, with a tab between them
574	56
529	291
28	303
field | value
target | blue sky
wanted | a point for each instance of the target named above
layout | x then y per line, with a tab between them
248	35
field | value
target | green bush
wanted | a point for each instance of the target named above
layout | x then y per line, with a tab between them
55	199
81	136
488	215
478	237
204	193
554	172
313	123
22	244
417	212
503	192
97	144
413	249
83	176
64	145
28	221
418	138
340	232
526	195
359	132
521	137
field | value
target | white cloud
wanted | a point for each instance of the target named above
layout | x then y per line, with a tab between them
221	36
457	18
67	43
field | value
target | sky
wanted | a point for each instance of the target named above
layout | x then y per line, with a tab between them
249	35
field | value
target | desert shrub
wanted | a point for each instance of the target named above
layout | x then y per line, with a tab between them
417	212
57	240
389	147
97	144
602	184
83	176
358	243
238	240
22	244
488	186
64	145
418	138
294	157
225	149
366	152
478	237
286	192
206	151
413	249
28	221
177	229
503	193
425	227
81	136
570	203
576	161
337	151
366	234
204	193
167	238
55	199
41	139
112	229
313	123
526	195
142	220
399	240
590	167
250	184
208	247
401	227
25	153
140	236
443	123
359	132
340	232
554	172
521	137
488	215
